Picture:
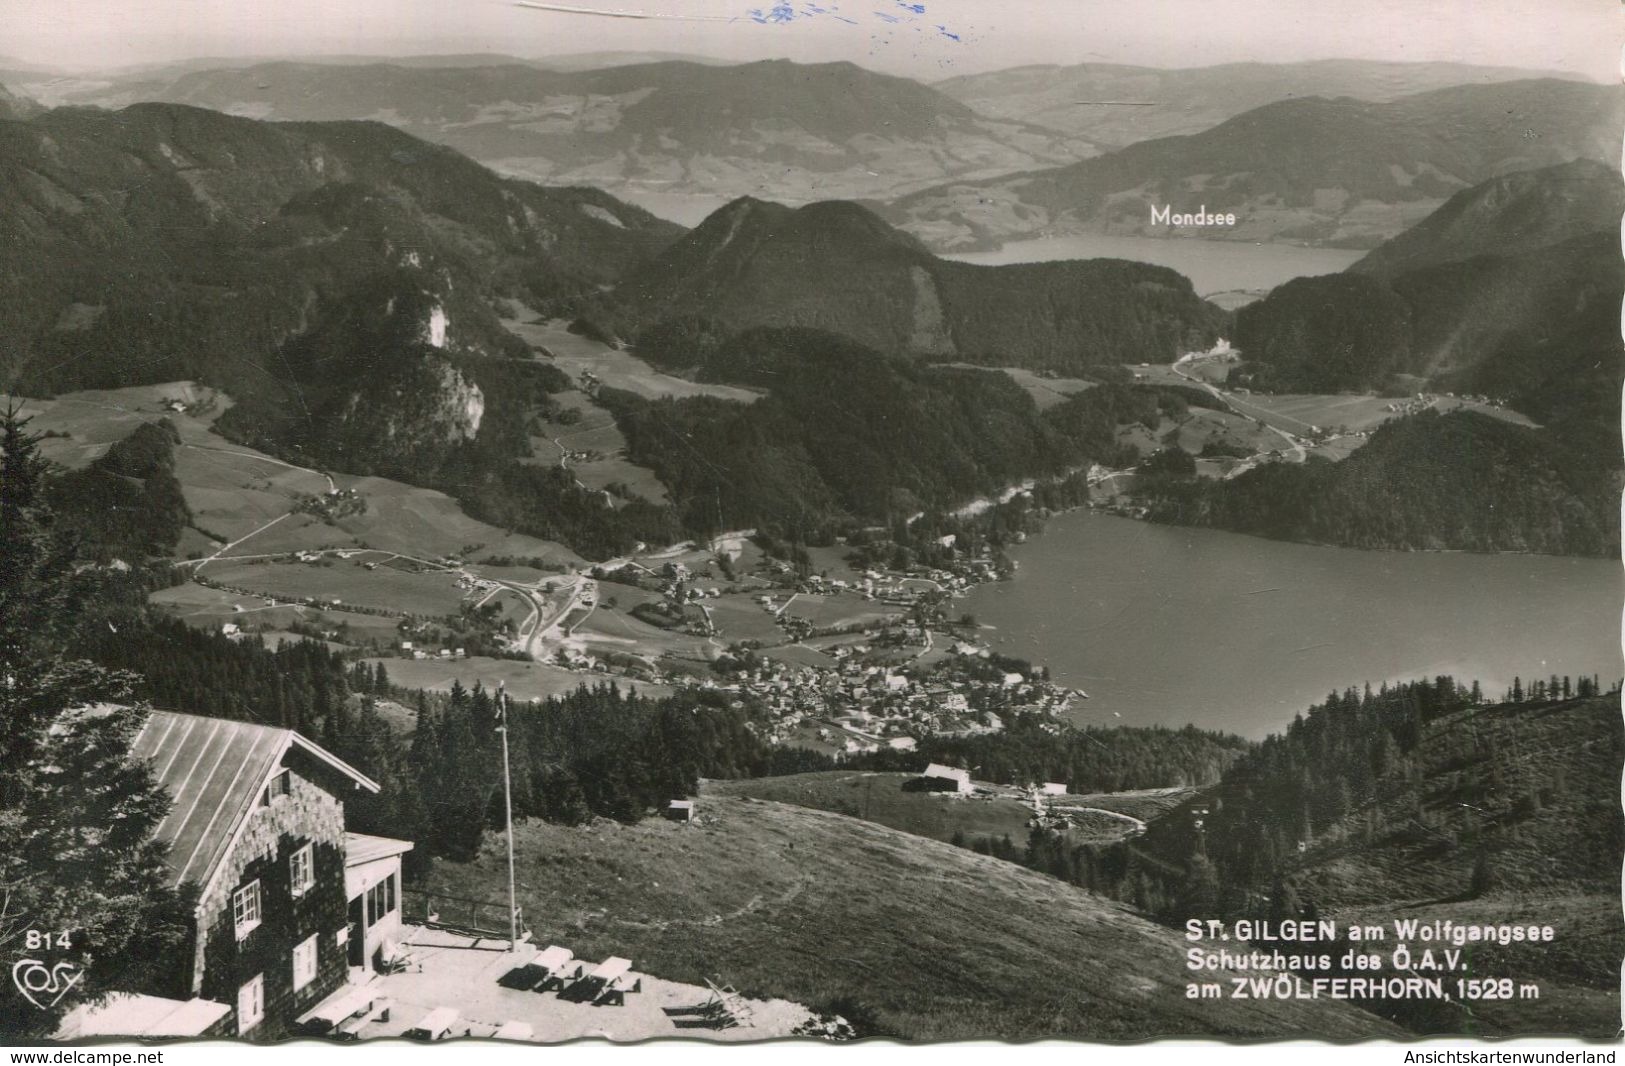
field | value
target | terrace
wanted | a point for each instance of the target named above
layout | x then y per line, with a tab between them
465	973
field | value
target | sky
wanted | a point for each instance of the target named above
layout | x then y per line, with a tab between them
924	39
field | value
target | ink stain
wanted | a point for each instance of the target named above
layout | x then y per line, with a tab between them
786	12
778	14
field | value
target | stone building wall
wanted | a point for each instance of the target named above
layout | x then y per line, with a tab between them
308	814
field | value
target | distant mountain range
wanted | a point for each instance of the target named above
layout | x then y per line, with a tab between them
1325	171
1118	105
838	267
786	130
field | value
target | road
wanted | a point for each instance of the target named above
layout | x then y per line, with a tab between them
332	486
1262	414
200	563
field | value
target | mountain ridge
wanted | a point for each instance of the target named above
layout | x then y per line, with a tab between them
1339	172
1506	289
838	266
1149	102
1518	212
804	131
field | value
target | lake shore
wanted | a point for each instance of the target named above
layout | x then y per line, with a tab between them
1173	625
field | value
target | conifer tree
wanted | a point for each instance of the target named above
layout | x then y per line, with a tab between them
77	814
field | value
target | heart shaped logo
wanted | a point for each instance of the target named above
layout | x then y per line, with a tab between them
37	982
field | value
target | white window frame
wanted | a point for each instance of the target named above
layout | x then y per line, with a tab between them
302	861
251	1011
306	952
390	893
247	908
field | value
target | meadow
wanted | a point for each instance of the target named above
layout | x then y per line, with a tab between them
905	936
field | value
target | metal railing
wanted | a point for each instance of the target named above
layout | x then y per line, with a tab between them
458	914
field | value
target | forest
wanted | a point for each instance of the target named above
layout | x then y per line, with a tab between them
1461	481
126	504
848	435
1033	748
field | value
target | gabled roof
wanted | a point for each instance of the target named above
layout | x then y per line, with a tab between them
214	772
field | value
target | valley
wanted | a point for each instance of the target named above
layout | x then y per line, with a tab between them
883	573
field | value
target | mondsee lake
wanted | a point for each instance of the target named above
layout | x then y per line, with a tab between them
1213	266
1169	625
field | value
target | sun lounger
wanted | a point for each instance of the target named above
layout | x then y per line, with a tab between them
436	1025
394	958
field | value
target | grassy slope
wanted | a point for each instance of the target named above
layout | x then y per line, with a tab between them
234	490
938	942
879	798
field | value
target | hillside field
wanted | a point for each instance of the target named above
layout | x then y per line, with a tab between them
910	937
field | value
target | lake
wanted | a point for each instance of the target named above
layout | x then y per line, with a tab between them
1168	625
1241	270
1212	266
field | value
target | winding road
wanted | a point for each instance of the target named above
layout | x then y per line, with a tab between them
1261	414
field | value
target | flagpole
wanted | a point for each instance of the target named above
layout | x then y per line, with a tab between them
507	802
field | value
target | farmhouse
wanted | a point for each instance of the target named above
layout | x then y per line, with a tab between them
289	904
939	778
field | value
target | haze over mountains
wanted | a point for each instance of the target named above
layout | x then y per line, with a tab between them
774	128
1329	171
644	124
1116	105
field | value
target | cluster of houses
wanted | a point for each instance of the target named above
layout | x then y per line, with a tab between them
333	504
863	706
408	650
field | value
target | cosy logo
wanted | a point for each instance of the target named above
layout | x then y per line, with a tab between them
42	985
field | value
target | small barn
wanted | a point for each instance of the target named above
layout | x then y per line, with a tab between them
939	778
680	810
